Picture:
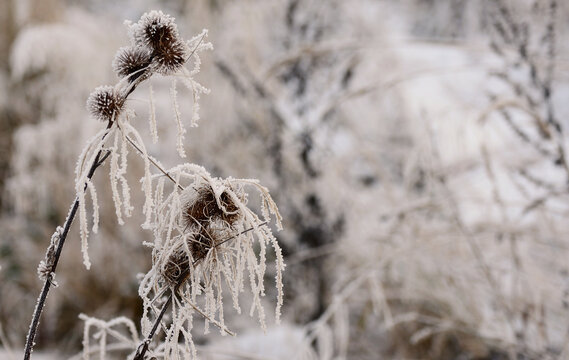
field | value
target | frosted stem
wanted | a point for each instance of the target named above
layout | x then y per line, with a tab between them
98	161
143	348
153	162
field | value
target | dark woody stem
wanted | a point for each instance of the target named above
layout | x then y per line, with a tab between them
101	156
98	161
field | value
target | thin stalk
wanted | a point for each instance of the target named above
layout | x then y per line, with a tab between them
98	161
153	162
143	348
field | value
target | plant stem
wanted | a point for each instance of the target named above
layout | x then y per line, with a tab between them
98	161
153	162
143	348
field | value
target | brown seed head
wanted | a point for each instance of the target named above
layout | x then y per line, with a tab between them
158	33
201	207
176	267
167	60
132	62
104	104
155	30
199	243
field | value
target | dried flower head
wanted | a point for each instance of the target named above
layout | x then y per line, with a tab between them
168	60
176	267
158	33
104	103
155	30
202	205
132	62
197	245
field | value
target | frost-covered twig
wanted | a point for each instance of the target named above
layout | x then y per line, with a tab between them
152	161
102	155
143	348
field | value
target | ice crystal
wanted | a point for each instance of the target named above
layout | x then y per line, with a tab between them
152	117
178	117
90	154
197	44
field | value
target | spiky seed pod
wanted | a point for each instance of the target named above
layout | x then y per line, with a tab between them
132	62
158	33
169	59
201	206
155	30
104	103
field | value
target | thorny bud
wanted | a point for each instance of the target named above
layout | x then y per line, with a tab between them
158	32
104	104
155	30
132	62
169	59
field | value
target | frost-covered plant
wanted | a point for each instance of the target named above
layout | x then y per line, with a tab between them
204	232
105	328
204	236
107	103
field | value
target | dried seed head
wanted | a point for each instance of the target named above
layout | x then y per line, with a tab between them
158	33
199	243
104	103
155	30
168	60
132	62
176	267
201	206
